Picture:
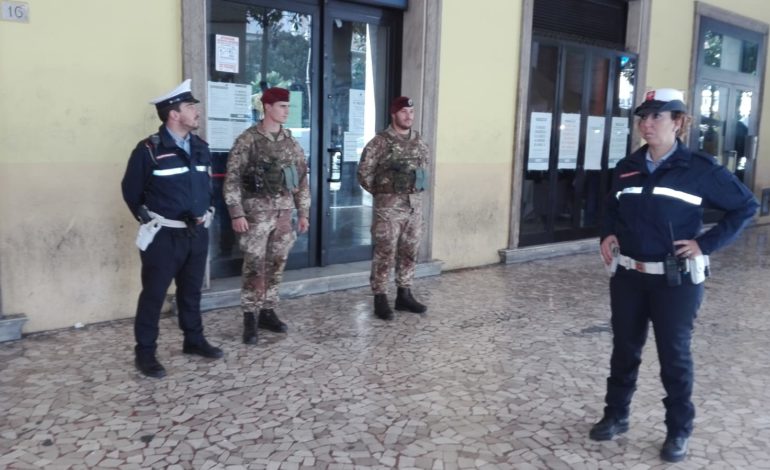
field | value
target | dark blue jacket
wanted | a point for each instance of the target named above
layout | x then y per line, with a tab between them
167	180
641	205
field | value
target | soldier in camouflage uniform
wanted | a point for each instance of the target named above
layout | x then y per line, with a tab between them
266	180
394	168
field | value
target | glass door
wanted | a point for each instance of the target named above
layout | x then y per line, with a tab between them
339	62
580	104
726	98
254	46
358	58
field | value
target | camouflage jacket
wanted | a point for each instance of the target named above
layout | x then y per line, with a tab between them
384	153
254	151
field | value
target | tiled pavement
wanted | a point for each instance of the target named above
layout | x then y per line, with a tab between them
507	370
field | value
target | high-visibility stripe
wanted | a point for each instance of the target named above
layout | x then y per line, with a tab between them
171	171
203	168
663	191
165	155
629	190
681	195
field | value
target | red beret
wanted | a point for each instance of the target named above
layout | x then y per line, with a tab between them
400	102
271	95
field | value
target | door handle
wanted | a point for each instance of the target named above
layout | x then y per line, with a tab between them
335	165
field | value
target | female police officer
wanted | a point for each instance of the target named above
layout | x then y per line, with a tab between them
652	230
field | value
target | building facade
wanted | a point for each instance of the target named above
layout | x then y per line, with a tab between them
527	105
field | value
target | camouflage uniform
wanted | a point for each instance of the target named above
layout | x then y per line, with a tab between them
257	186
394	170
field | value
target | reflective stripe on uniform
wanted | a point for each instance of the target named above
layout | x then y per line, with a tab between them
662	191
171	171
203	168
686	197
629	190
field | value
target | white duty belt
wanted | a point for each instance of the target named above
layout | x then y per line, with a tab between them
650	267
698	267
147	231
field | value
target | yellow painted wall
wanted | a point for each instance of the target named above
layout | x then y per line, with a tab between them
671	37
75	83
474	148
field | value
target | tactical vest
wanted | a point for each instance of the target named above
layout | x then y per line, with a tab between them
270	169
404	169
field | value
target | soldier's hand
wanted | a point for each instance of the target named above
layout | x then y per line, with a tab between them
302	224
240	225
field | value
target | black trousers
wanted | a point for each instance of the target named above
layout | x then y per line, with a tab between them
636	300
172	255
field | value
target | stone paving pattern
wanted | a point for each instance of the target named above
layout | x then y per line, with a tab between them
507	370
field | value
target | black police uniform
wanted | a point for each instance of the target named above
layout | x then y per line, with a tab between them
176	185
643	209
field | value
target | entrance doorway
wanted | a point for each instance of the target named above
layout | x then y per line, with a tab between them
339	61
726	96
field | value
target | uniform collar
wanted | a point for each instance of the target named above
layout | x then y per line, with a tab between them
680	158
269	135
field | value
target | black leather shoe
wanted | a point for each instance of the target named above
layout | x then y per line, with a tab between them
268	320
608	428
249	328
405	301
149	366
203	349
382	307
674	449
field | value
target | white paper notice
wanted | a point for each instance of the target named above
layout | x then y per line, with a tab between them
229	114
568	141
226	54
353	145
539	141
356	111
618	140
594	143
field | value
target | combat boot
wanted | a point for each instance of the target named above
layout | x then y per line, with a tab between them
405	301
249	328
268	320
382	307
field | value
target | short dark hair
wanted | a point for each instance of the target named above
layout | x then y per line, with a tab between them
164	112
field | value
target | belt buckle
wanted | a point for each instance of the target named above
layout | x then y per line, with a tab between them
639	266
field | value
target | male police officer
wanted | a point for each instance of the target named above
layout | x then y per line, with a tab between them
266	180
394	168
166	187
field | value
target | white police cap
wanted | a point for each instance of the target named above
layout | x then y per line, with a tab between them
662	99
180	94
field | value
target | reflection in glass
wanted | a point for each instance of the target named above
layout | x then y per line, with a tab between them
274	51
535	187
625	92
357	103
729	53
569	139
711	120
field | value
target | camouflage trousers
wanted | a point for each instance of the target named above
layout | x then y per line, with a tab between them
265	247
396	236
